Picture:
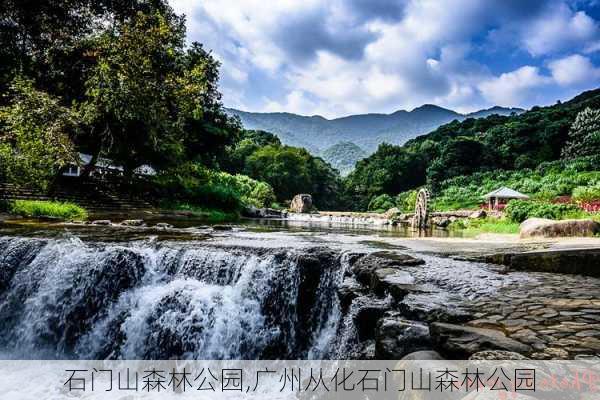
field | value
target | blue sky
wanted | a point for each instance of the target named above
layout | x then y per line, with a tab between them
335	58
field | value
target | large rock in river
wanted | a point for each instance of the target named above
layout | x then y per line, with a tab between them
301	203
396	337
463	341
540	227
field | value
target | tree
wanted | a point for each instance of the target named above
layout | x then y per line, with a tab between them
292	170
461	156
584	135
131	106
34	137
390	170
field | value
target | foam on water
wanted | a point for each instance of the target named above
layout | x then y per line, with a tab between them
63	298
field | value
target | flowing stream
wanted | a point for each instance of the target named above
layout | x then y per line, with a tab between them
200	293
63	298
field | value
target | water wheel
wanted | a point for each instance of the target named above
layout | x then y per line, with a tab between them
421	210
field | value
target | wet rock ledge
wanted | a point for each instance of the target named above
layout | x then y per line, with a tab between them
398	317
573	261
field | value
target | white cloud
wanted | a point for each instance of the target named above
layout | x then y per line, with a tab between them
573	70
339	57
514	87
559	29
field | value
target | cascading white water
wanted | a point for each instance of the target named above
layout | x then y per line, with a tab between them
64	298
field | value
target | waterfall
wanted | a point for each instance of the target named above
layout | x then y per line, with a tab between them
64	298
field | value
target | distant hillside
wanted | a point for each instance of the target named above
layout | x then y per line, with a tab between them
343	156
365	130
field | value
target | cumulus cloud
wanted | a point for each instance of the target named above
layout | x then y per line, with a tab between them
354	56
513	87
573	70
558	29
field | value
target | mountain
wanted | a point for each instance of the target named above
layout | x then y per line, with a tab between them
365	130
495	110
343	156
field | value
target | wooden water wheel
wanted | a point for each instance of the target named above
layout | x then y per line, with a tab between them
421	210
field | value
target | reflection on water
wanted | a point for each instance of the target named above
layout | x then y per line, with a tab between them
186	228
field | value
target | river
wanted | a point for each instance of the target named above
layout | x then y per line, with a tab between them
260	291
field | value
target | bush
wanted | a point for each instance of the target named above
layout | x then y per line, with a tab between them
586	194
520	210
381	203
251	191
406	201
35	208
195	184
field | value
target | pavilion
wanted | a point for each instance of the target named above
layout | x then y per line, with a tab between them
498	198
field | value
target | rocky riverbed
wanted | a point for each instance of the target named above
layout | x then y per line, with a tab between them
366	295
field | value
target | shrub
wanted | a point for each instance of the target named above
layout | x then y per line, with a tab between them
35	208
406	201
586	194
520	210
251	191
195	184
381	203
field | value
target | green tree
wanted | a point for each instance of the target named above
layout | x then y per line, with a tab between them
584	136
460	156
390	170
34	136
151	101
292	170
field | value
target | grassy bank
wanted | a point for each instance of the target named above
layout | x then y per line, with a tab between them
51	209
474	227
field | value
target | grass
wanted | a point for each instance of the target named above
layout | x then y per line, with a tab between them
474	227
209	214
53	209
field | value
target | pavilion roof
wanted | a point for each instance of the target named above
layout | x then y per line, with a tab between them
506	193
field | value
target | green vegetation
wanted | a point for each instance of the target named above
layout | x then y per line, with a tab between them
474	227
288	170
117	80
576	178
343	156
519	210
584	136
204	188
35	144
54	209
381	203
462	160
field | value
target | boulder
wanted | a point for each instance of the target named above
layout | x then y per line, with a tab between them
478	214
463	341
163	225
348	290
369	311
395	337
222	228
301	203
495	355
101	222
568	261
540	227
441	222
133	222
423	355
392	213
255	212
391	281
431	307
364	267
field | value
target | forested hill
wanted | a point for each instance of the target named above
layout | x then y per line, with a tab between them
365	130
463	148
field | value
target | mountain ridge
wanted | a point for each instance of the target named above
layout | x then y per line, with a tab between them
317	133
